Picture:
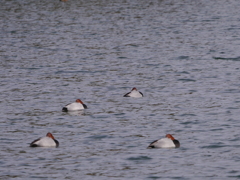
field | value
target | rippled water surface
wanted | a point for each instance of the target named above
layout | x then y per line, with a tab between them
183	55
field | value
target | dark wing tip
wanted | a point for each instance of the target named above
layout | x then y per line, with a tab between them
151	145
64	109
33	143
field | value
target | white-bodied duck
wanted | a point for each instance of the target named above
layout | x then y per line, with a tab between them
134	93
47	141
78	105
168	142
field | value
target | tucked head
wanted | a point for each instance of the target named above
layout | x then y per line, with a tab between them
170	136
50	135
134	89
79	101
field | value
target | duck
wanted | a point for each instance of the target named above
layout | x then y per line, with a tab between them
77	105
168	142
47	141
134	93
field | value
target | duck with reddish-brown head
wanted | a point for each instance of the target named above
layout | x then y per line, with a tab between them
168	142
47	141
134	93
78	105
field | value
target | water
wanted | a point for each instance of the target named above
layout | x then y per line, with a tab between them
182	55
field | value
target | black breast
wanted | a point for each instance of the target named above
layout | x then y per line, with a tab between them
85	106
57	143
177	143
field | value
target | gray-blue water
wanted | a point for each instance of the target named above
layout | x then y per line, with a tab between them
183	55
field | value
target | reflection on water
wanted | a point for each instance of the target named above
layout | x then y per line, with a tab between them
76	113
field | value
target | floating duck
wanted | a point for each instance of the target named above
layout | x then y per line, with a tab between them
47	141
168	142
78	105
134	93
